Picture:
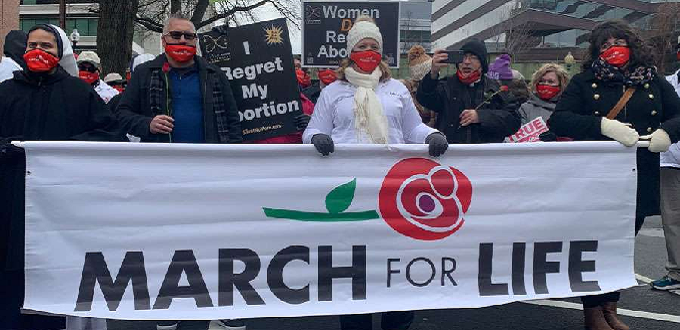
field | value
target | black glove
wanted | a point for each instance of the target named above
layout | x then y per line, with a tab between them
547	137
438	144
323	144
301	122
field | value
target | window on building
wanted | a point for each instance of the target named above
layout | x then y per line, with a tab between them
85	26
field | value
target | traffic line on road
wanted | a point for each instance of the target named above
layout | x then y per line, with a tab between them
621	311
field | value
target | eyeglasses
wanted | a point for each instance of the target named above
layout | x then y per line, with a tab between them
177	35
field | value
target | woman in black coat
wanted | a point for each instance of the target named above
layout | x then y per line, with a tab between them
619	61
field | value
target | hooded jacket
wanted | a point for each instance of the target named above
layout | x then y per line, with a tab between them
13	51
52	107
15	46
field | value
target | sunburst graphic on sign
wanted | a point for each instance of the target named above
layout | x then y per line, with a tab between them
274	35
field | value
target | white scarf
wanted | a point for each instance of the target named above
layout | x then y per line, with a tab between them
369	117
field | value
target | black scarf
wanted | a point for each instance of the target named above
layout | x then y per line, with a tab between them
609	73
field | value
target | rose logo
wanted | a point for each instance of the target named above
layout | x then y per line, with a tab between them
424	200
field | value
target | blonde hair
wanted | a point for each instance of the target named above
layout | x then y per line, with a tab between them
560	72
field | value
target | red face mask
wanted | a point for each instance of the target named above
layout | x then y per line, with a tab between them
547	92
39	60
89	77
471	78
303	78
617	56
119	88
327	77
180	53
367	60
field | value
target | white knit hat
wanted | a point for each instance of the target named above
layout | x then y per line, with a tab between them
363	29
90	57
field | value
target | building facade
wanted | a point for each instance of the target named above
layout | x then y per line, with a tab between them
555	23
415	25
9	18
78	17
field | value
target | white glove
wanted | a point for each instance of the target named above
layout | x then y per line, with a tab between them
659	141
619	132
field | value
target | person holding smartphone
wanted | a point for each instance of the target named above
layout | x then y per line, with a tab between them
470	107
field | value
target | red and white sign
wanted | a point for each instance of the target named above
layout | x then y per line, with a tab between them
529	132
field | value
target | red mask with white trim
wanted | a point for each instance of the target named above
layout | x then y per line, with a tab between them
366	60
180	53
38	60
88	77
617	56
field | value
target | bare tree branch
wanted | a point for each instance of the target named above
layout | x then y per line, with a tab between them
152	13
149	24
199	11
231	11
664	28
175	6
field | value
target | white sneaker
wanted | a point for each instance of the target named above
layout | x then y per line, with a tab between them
166	327
227	325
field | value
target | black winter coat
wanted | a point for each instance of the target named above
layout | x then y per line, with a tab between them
449	98
135	114
654	105
54	107
41	108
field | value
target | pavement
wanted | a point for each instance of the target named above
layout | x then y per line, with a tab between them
641	307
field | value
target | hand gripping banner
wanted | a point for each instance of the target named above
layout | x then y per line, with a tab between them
147	231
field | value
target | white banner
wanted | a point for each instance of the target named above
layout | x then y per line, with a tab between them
148	231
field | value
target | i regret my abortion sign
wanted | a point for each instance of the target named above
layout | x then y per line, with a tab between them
258	61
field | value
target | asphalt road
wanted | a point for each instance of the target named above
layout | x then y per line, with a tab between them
645	309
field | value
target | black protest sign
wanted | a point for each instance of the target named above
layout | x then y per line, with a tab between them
325	26
258	62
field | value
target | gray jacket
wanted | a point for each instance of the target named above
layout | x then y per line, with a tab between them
671	158
535	107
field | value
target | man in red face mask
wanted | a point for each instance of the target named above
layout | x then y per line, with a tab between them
179	97
470	107
89	70
41	103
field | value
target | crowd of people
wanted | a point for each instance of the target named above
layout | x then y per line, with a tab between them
48	93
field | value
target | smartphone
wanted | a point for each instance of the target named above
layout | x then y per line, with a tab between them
455	56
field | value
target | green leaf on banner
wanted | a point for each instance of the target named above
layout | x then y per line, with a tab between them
340	198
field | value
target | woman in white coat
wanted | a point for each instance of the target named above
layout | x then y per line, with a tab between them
365	105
